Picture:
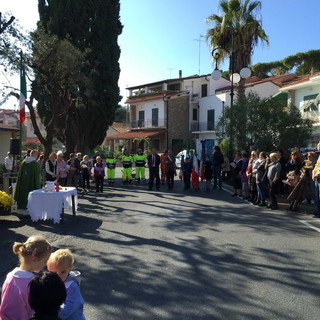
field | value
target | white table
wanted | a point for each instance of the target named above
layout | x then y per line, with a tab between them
44	205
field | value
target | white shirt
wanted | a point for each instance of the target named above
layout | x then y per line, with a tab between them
8	163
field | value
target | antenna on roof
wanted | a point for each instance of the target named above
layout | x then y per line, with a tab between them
171	71
199	40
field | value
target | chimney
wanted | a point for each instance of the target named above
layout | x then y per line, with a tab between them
180	74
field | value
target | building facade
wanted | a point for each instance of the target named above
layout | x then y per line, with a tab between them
166	114
304	94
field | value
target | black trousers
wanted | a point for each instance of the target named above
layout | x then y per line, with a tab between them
273	190
170	179
99	183
85	179
154	174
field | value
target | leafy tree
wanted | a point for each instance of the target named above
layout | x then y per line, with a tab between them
121	114
274	68
57	65
265	123
305	62
301	63
11	41
92	25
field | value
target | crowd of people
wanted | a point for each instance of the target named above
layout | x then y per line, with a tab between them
29	292
259	175
254	176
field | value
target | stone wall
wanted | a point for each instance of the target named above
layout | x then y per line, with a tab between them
179	136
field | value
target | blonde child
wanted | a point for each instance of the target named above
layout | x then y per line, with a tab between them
61	262
33	256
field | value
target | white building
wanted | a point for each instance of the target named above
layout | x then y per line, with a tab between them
304	93
211	107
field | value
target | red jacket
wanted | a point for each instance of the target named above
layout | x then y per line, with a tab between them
99	169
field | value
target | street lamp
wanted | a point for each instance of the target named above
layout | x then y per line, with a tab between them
235	78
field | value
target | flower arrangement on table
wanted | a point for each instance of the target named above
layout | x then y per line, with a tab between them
5	202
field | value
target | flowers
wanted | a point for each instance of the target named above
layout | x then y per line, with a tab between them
5	200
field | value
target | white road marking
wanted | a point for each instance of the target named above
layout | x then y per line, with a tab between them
309	225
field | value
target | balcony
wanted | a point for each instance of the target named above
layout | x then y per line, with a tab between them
148	123
203	126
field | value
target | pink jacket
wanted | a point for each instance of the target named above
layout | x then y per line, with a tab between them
62	165
14	297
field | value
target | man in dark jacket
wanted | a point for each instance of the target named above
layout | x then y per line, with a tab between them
216	166
153	163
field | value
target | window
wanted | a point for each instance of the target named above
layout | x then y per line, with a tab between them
210	123
141	119
155	117
174	87
204	90
195	114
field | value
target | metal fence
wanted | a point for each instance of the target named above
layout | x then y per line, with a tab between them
148	123
203	126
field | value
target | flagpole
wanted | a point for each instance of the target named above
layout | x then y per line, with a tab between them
21	130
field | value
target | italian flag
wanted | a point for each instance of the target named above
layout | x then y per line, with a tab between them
23	93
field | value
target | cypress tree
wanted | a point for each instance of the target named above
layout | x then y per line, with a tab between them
93	27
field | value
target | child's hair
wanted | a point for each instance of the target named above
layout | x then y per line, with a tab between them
35	246
274	155
46	293
62	257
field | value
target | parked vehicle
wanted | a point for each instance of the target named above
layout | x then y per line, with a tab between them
179	156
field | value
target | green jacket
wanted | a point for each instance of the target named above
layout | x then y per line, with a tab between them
111	163
127	161
140	160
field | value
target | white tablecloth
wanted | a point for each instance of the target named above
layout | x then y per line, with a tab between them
48	205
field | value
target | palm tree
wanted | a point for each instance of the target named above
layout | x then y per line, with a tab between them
237	30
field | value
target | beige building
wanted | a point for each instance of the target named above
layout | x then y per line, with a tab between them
114	144
6	133
162	113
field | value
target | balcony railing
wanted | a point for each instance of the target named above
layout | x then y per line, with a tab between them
148	123
203	126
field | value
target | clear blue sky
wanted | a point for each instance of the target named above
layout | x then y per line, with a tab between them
158	37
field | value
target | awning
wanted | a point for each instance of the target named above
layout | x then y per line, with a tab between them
136	134
282	96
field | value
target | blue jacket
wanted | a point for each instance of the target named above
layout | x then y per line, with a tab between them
72	309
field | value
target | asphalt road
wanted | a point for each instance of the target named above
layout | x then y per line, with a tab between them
183	255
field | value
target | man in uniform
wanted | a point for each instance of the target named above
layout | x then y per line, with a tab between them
140	160
29	179
127	167
111	167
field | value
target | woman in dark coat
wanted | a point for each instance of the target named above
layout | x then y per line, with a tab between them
237	165
208	173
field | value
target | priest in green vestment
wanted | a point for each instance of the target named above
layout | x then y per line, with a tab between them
29	179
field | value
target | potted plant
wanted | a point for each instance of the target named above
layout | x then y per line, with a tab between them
5	203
